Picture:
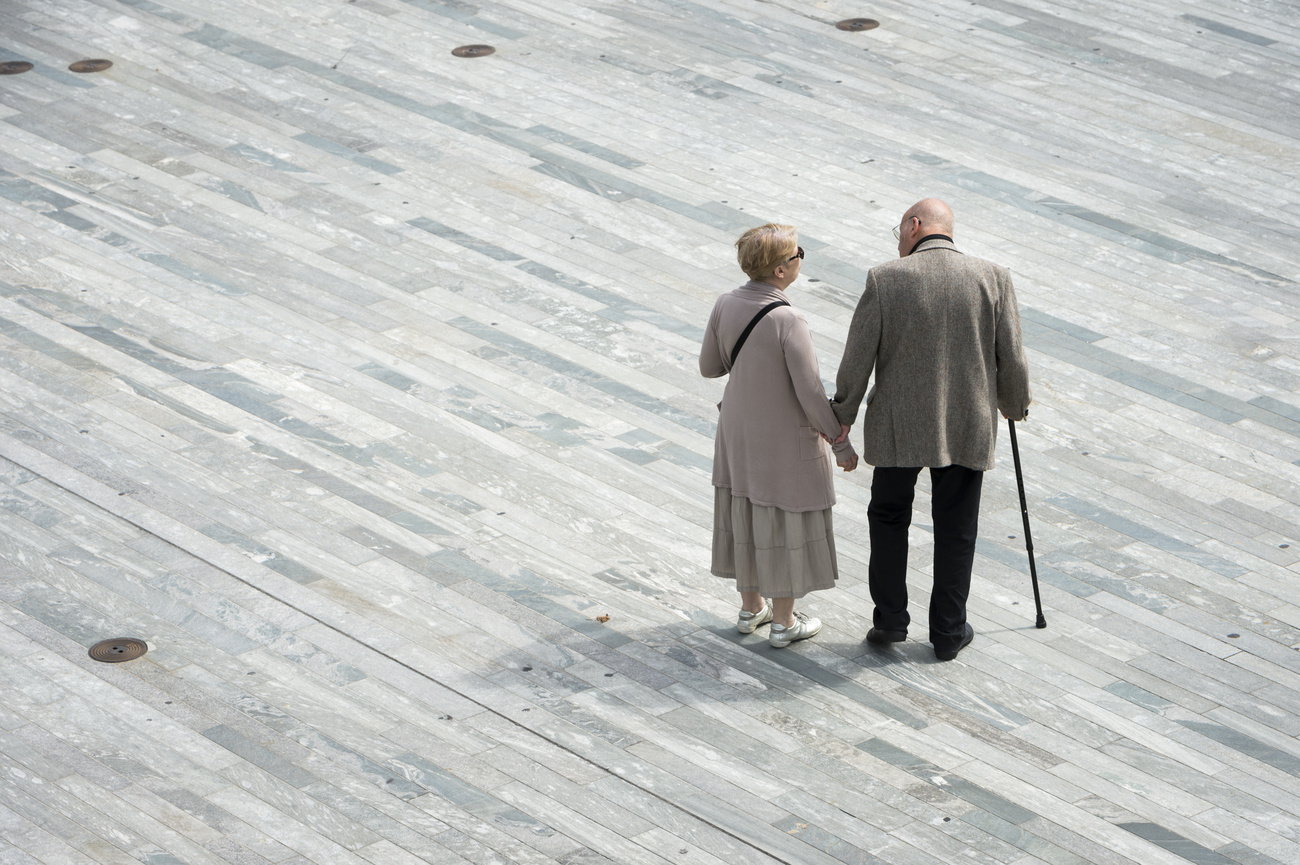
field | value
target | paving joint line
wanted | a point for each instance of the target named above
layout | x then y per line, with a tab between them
15	455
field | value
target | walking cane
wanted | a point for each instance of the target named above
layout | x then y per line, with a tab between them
1024	513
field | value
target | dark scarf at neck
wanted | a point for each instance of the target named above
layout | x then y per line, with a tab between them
929	237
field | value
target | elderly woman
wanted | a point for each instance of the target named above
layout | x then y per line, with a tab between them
773	489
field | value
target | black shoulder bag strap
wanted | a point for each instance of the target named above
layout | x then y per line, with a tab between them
735	351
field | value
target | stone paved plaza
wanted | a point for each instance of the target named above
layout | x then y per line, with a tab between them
359	380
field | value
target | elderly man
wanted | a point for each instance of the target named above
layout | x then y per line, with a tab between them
941	331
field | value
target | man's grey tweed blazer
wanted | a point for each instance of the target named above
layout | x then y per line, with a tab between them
941	331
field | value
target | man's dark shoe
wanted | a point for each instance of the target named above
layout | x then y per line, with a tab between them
881	637
966	638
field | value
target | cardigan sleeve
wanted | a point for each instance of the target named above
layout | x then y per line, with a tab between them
801	362
712	363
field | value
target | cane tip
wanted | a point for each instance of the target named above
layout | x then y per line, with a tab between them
1041	623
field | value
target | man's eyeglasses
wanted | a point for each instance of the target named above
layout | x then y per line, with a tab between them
798	255
898	229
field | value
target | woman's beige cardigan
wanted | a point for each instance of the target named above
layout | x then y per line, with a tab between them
767	448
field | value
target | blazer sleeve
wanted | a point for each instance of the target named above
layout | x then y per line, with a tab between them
859	354
1009	350
801	361
712	362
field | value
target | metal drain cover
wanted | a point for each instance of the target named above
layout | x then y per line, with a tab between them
14	67
119	649
90	65
473	51
856	24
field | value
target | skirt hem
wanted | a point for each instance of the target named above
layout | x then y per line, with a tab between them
779	553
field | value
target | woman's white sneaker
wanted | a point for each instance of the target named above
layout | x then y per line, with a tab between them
803	628
746	622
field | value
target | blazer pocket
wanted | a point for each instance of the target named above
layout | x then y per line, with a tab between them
811	446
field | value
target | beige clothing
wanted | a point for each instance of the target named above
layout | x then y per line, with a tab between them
941	330
767	447
779	554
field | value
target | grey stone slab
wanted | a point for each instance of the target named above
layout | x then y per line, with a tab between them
585	146
153	600
1015	835
1018	560
1140	696
465	14
376	821
462	239
1175	843
1227	30
1247	745
806	670
469	797
818	838
988	713
29	509
76	760
956	786
527	596
616	389
259	756
597	185
1136	530
767	838
1244	855
264	554
347	153
69	618
192	274
620	308
453	501
47	346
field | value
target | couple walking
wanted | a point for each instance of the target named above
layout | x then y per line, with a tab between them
941	332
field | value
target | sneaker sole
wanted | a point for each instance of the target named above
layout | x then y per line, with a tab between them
784	643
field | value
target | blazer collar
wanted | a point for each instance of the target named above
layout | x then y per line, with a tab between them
934	241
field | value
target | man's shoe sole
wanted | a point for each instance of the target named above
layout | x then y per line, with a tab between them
952	653
883	638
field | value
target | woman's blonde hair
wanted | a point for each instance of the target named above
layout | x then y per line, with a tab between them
761	249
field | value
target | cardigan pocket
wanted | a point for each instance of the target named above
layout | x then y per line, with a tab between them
811	446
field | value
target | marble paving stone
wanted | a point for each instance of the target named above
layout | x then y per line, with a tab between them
360	379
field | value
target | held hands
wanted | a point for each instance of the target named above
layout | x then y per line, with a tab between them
844	433
850	462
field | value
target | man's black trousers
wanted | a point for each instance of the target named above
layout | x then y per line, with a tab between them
955	506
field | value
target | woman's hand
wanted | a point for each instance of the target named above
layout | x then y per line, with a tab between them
844	433
849	464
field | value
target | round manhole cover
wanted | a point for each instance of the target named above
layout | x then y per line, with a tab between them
119	649
14	67
473	50
90	65
856	24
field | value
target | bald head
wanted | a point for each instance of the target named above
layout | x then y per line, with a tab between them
928	216
935	216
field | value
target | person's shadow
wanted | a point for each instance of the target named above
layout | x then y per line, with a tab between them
839	664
